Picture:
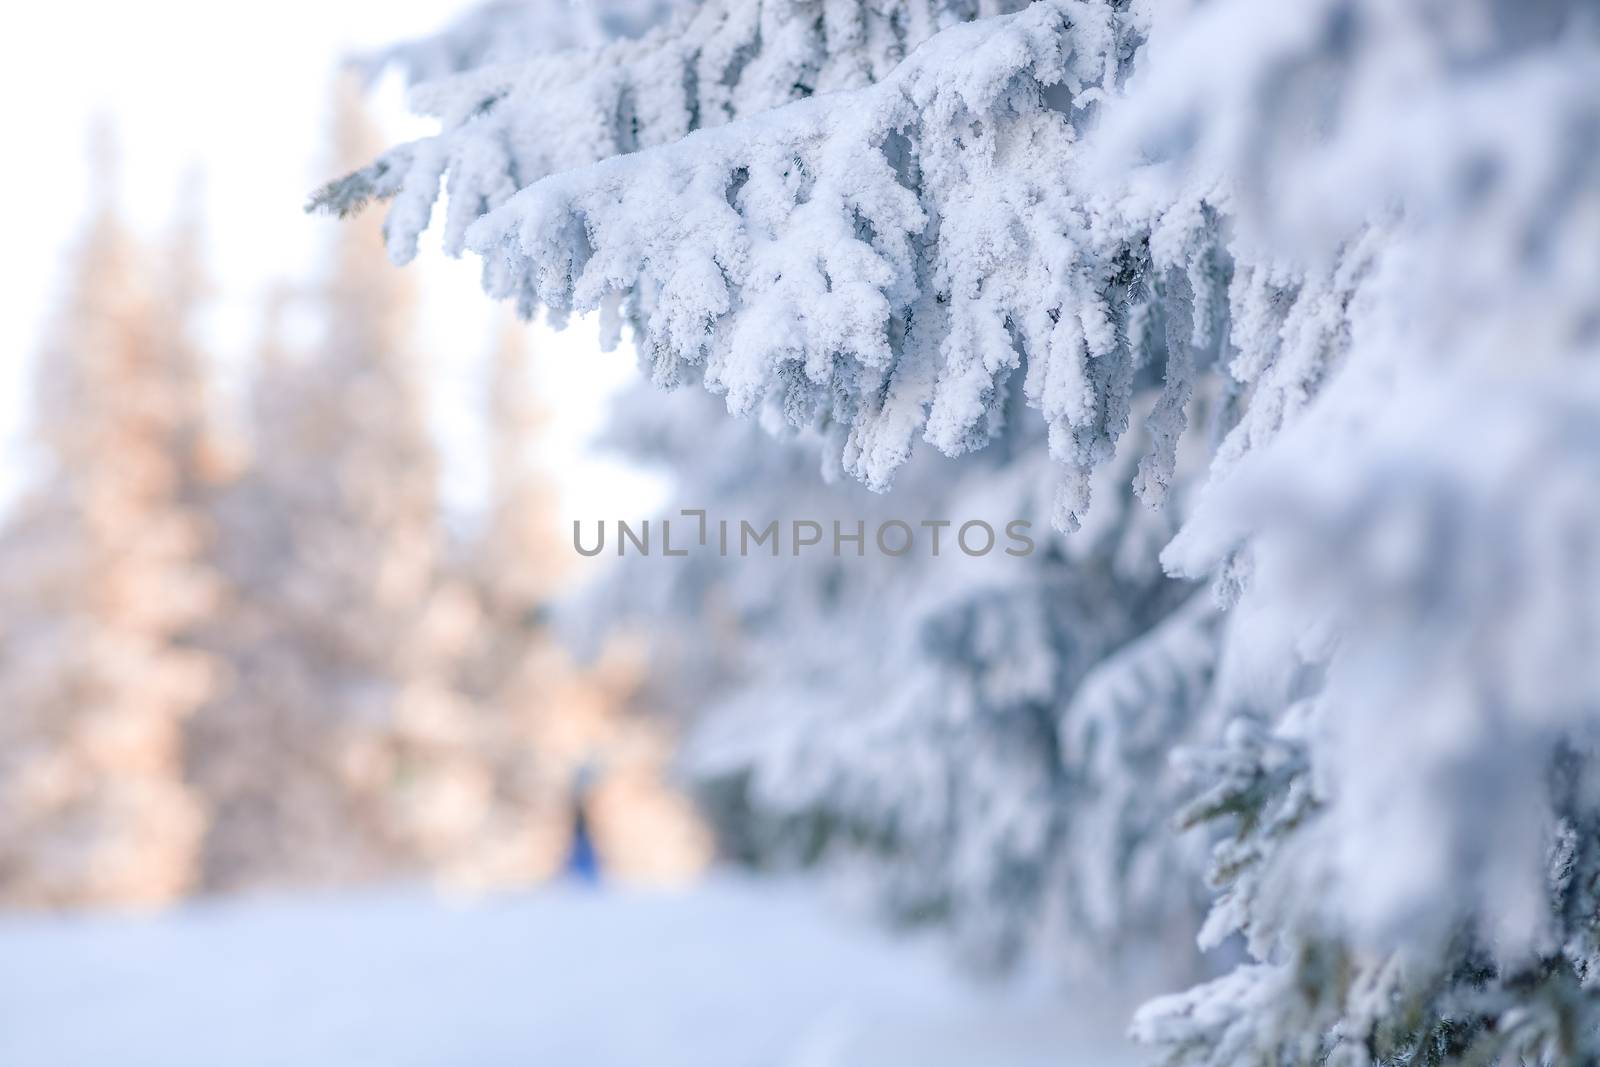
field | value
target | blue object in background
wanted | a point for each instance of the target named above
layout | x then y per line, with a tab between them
583	864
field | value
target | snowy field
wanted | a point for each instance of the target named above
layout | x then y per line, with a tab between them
726	975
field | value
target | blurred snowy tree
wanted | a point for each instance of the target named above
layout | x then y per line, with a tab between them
554	733
103	573
914	714
339	636
398	704
1355	268
1406	520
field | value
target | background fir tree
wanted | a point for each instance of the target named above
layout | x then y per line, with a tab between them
979	764
338	640
399	704
103	573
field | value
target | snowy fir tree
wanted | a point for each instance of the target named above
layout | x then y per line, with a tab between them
104	575
950	761
1291	309
336	636
396	704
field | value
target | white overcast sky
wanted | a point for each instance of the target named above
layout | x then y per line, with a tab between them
240	92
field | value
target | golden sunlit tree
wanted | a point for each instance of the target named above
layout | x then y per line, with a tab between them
103	575
399	707
394	707
337	634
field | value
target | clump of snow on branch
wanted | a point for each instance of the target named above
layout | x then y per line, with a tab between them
884	260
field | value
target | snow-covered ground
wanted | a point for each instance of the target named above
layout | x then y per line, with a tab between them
730	973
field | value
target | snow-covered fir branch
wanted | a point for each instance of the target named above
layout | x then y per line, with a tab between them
1319	281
